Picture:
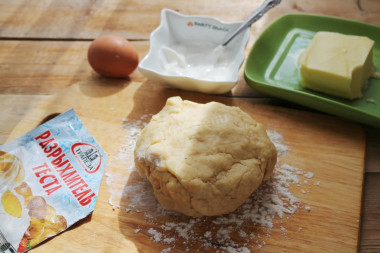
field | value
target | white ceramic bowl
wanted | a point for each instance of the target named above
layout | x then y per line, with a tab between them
176	28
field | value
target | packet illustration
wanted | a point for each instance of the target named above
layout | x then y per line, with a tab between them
49	179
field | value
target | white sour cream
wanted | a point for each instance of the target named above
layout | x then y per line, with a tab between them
200	60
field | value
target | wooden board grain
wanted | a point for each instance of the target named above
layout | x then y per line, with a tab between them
46	67
13	109
370	231
332	149
135	20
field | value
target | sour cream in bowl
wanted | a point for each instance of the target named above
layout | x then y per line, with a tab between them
186	52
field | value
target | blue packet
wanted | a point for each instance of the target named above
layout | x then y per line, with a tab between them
49	179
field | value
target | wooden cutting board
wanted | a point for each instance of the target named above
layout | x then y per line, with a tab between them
327	218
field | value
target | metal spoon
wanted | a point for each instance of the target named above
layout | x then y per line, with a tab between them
253	17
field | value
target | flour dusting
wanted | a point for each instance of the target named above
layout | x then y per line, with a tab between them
244	230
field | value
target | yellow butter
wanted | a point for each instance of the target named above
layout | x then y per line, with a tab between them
337	64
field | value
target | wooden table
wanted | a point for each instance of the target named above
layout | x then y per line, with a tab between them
43	47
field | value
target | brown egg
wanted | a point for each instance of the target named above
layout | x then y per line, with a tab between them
112	56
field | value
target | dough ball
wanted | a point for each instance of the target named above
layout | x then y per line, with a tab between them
203	159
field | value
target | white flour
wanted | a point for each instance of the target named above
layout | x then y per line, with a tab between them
248	226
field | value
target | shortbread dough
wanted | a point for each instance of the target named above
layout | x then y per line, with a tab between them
203	159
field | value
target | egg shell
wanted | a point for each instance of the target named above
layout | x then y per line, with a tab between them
112	56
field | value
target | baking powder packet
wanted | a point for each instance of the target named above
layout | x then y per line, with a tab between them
49	179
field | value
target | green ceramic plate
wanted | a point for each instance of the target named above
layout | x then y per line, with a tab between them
272	65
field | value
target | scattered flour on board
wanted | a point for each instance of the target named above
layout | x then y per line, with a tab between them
233	232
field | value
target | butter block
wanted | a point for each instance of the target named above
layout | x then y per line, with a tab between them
337	64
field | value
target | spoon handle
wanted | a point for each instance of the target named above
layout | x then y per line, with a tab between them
253	17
